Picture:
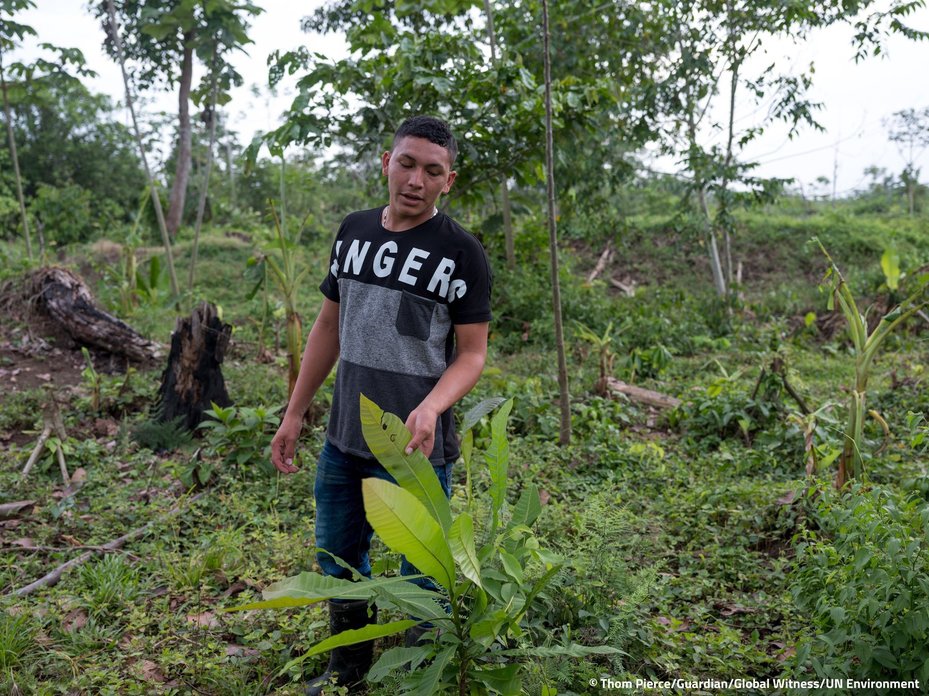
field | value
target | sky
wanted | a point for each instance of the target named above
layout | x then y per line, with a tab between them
857	98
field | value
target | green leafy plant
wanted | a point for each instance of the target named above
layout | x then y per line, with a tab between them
280	258
110	584
152	288
723	410
489	581
17	640
865	347
161	436
92	377
603	344
241	435
862	581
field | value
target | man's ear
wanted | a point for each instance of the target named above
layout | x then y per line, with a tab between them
451	180
385	160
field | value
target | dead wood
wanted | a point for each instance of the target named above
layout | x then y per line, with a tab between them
628	289
193	380
54	576
640	395
51	414
605	257
13	509
66	299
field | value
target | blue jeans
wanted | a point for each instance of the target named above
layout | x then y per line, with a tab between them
341	526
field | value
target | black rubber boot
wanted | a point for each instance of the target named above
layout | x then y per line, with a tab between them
351	663
413	637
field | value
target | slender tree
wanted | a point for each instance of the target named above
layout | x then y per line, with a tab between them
14	156
505	205
164	41
564	435
114	38
909	131
211	116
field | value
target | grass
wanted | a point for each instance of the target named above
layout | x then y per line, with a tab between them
679	539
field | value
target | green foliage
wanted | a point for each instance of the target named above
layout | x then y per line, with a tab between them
866	345
17	641
491	603
241	436
110	585
64	213
724	410
161	436
862	580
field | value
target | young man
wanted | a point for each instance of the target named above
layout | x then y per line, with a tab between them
406	313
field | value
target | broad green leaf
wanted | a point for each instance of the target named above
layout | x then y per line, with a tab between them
395	658
474	415
527	508
461	542
387	437
404	524
351	637
427	681
309	588
412	599
890	264
467	447
503	680
512	566
498	457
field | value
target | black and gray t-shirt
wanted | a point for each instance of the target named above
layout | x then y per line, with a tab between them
400	295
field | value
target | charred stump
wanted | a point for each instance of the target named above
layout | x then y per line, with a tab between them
193	379
65	298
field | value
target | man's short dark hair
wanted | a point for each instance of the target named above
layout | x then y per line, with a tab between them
432	129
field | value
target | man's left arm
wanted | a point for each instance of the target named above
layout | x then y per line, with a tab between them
456	381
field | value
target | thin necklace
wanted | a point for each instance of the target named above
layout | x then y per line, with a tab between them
435	211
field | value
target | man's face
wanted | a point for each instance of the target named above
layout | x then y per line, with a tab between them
418	172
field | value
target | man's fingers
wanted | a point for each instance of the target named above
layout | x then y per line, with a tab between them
282	456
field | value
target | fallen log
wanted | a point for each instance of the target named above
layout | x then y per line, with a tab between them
628	289
54	576
638	394
15	508
65	298
193	380
605	257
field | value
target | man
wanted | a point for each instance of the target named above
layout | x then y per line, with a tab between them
406	313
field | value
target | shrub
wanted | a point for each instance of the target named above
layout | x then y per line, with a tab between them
862	580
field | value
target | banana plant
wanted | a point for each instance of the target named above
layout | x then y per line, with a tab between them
865	347
486	588
288	277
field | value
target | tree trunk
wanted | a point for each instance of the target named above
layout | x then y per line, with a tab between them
193	380
68	302
564	436
153	187
184	137
205	186
504	186
15	158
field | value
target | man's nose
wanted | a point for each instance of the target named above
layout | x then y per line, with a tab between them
416	177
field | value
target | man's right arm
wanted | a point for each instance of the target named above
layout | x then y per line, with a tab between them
322	351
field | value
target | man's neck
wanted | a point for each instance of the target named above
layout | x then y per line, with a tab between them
392	224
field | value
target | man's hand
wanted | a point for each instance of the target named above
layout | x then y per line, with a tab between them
422	424
283	444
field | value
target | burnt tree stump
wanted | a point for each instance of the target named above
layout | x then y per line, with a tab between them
193	377
67	301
